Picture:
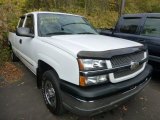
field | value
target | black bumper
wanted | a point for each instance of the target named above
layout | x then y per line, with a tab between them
97	92
95	99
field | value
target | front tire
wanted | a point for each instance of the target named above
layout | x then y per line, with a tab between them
51	92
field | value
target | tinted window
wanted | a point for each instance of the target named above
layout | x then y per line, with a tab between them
61	24
30	24
21	22
152	27
130	25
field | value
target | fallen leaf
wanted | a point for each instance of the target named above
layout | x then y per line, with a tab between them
125	108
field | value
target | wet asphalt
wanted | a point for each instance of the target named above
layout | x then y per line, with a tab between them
23	101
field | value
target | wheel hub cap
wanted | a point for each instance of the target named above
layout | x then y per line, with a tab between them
50	94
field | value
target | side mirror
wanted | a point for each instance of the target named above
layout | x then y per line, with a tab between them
22	31
99	30
106	31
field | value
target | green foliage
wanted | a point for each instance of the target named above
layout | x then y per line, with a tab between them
101	13
4	55
142	6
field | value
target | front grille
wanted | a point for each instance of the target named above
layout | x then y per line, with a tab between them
119	61
126	72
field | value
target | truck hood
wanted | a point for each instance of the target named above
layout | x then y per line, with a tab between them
76	43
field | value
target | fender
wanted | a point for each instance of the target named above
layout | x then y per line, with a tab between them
50	62
65	65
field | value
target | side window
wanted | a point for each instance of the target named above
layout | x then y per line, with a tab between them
151	27
130	25
30	24
21	22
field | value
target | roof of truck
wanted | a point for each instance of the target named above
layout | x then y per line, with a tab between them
37	12
142	15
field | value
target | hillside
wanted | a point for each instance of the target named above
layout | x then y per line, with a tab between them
101	13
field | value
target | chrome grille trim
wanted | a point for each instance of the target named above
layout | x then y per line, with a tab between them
123	60
126	72
118	61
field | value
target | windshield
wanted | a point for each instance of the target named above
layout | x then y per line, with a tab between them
59	24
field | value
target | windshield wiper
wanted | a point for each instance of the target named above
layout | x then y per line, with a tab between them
86	33
74	23
58	33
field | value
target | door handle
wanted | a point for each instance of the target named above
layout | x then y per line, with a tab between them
20	41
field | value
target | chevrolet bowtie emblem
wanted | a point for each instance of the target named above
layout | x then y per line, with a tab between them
134	65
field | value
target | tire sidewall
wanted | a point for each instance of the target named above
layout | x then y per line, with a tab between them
53	78
14	58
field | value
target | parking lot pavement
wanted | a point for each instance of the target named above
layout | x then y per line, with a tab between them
23	101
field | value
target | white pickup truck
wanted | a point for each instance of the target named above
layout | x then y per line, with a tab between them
76	68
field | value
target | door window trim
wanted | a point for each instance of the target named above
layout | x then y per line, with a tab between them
32	16
20	21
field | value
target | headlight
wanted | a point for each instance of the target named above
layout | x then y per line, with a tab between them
91	64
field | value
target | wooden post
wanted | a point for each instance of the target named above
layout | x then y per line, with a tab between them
122	7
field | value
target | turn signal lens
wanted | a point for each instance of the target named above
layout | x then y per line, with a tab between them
82	81
87	81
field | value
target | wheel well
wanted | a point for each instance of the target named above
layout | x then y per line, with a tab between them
10	45
42	67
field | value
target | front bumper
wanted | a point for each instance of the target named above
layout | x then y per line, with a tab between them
88	104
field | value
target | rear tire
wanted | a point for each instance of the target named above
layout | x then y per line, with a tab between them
51	92
14	58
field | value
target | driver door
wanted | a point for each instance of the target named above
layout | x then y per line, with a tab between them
26	45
